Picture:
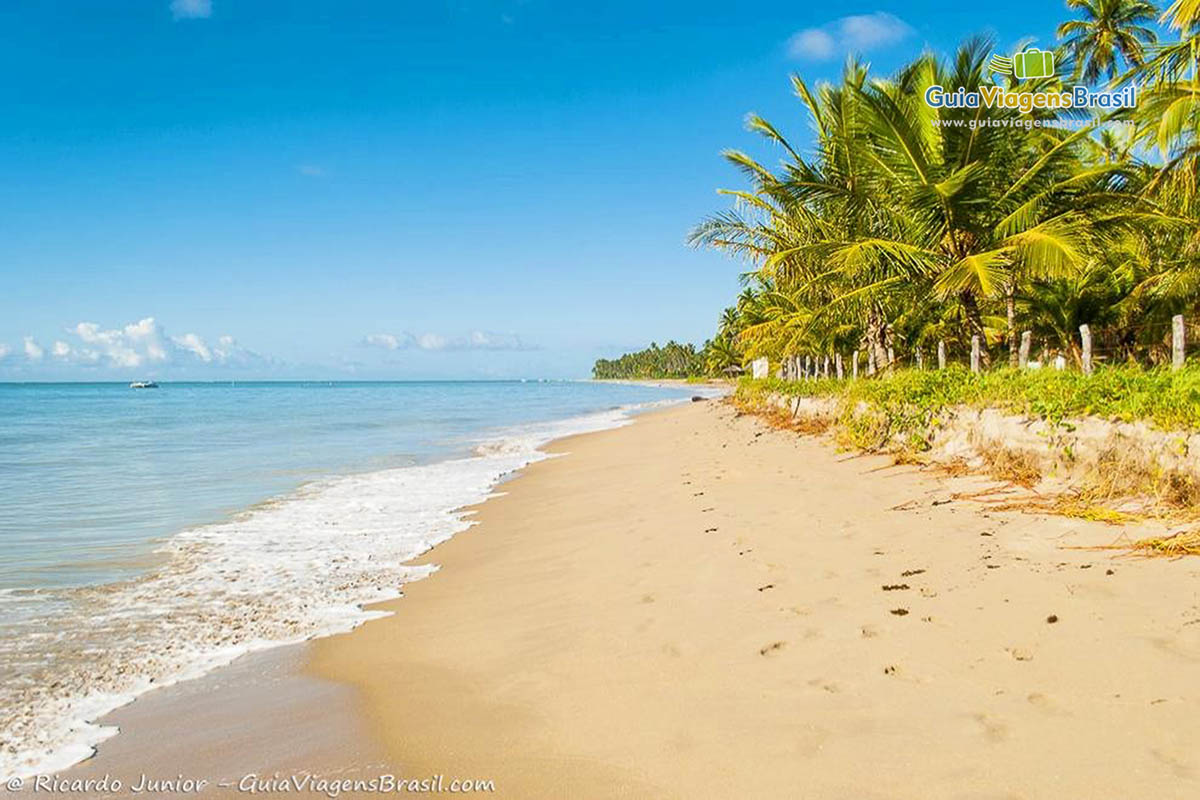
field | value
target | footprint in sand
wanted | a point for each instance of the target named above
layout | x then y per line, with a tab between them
869	631
993	729
1046	705
1020	653
829	686
1175	761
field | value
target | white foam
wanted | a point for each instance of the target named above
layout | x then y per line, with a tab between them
287	570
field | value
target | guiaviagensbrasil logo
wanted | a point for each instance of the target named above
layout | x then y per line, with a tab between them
1029	64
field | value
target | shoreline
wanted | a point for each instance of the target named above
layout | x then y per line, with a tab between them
699	606
383	518
589	635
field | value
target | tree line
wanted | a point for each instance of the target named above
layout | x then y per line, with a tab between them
905	224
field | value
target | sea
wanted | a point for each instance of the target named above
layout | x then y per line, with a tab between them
149	536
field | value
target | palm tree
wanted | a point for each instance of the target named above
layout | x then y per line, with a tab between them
1110	31
906	217
996	203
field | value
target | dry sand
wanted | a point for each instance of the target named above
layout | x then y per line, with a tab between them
698	607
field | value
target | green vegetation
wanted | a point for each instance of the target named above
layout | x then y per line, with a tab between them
909	401
903	225
673	360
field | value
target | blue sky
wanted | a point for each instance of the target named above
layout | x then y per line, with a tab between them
356	189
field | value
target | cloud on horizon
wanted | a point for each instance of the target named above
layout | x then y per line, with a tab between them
33	350
853	34
434	342
191	9
138	345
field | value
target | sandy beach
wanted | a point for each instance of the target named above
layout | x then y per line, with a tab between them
697	606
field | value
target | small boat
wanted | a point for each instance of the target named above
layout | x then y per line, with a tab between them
143	385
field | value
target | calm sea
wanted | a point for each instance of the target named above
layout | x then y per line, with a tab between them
151	535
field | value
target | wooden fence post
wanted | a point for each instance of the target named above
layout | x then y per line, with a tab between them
825	368
941	354
854	374
1178	351
837	365
1085	337
891	365
871	360
920	360
1023	355
975	353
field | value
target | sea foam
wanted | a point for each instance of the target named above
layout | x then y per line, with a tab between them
300	566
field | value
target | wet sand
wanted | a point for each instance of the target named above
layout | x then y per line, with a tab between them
697	606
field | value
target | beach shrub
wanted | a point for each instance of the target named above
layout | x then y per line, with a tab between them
912	400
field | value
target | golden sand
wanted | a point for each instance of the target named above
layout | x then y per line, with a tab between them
696	606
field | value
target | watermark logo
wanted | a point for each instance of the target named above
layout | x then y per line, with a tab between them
1029	63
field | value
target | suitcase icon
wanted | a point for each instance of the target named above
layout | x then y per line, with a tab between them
1033	63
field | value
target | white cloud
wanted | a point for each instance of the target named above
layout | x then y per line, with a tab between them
388	341
191	9
4	351
136	344
858	33
192	343
33	350
142	344
813	44
436	342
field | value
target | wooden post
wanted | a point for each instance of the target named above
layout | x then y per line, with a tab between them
1085	336
854	373
1023	354
941	354
870	360
1060	363
920	360
891	359
837	365
825	368
975	353
1178	351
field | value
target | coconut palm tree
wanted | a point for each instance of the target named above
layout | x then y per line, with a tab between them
1111	31
996	203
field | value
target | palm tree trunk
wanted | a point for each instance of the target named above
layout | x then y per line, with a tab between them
877	339
975	323
1011	307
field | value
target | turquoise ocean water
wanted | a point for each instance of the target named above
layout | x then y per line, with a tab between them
151	535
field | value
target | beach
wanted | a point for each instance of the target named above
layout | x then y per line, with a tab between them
697	605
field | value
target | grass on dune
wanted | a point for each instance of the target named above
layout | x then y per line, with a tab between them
1164	399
